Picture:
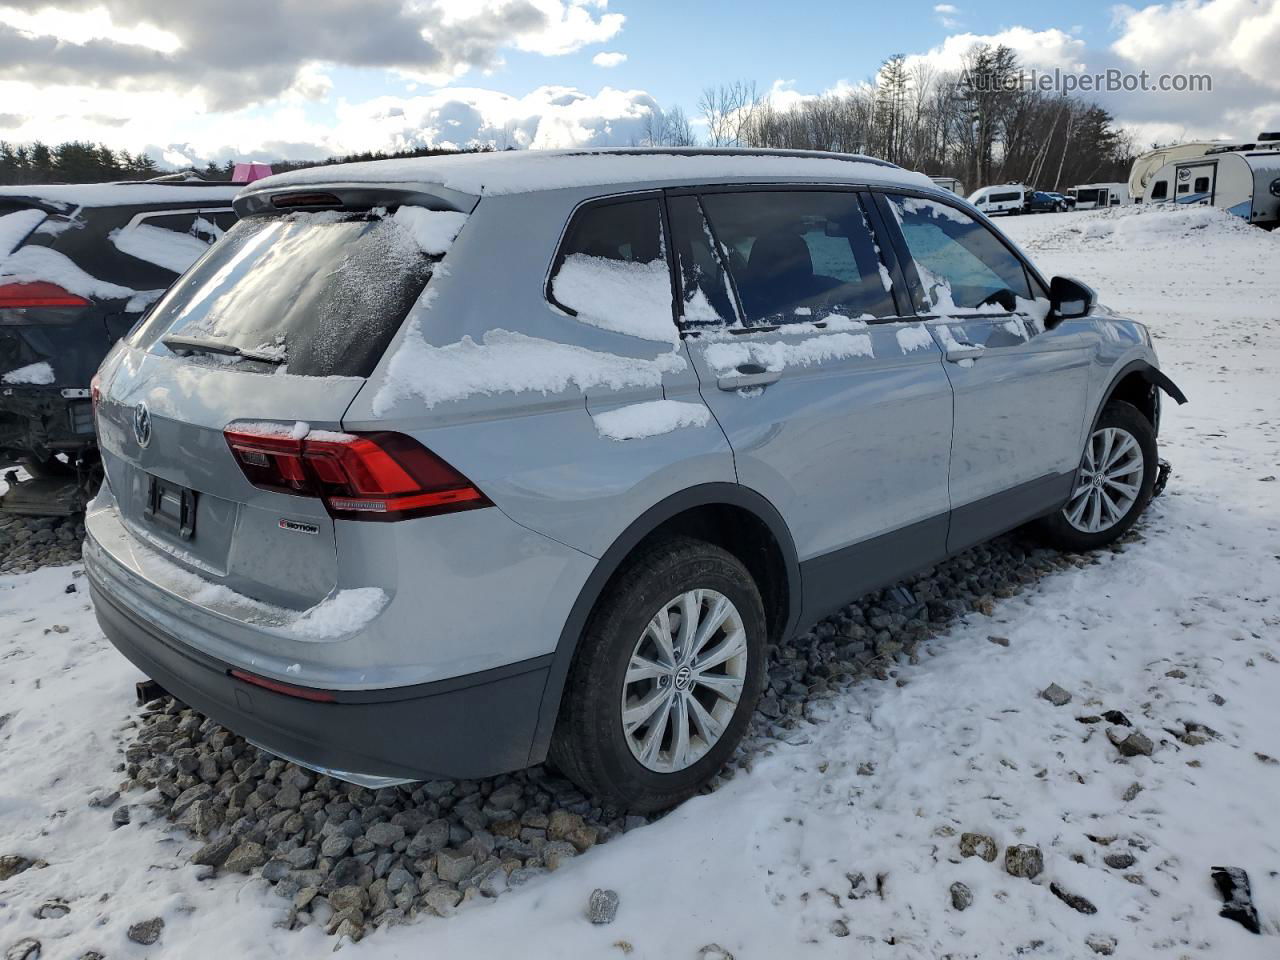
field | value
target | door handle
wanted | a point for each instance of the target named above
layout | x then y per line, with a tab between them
971	352
751	375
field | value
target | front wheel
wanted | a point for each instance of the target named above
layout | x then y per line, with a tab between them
1114	484
665	679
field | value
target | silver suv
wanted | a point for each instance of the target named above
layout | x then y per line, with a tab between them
441	467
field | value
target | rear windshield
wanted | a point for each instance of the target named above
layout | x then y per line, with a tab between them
323	292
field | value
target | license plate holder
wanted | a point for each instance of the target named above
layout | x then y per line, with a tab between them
172	507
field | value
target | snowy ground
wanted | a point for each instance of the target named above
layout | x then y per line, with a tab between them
885	785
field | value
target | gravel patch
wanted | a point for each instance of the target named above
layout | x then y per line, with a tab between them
28	543
352	859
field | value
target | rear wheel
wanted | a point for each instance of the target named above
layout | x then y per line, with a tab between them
665	679
1114	484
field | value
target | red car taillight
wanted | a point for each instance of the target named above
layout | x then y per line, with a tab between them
14	296
367	476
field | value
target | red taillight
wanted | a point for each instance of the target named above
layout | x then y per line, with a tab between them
275	686
367	476
38	294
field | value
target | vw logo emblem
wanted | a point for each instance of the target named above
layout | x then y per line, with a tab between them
142	424
683	676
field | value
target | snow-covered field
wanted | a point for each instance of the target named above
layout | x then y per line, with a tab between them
1181	627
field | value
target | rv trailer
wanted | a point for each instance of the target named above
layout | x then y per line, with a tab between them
1152	162
950	183
1089	196
1244	184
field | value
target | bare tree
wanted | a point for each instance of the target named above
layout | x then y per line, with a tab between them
668	128
728	110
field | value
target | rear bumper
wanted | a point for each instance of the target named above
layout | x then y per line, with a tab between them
466	727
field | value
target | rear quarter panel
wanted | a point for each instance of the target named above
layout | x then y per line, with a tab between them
536	450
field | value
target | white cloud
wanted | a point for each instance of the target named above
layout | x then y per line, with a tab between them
1042	49
176	129
236	54
609	58
947	14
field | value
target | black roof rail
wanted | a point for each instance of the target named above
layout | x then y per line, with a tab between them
732	152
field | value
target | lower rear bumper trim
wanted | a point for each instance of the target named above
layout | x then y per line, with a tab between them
463	728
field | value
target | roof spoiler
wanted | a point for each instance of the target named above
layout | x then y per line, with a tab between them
355	197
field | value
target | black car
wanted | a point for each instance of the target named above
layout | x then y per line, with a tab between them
79	264
1040	201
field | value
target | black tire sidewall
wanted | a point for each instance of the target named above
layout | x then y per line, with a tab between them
611	639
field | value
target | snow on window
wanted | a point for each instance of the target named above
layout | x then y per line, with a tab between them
433	230
933	209
157	245
623	296
37	374
507	362
778	355
14	228
914	337
35	263
650	419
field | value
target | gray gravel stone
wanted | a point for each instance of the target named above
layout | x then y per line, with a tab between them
146	932
454	866
28	948
1130	743
384	834
978	845
1056	695
602	906
961	896
442	899
245	857
1023	860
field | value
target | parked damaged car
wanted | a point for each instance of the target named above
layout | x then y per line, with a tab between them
439	468
79	265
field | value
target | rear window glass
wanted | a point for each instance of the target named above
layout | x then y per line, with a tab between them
324	292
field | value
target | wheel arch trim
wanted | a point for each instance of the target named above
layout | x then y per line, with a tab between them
702	495
1150	373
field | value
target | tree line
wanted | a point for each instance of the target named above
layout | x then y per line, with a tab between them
981	124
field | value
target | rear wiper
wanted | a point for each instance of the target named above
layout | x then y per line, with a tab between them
184	345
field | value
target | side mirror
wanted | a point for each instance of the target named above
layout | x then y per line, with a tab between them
1068	299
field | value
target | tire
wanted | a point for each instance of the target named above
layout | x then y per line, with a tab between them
1069	528
590	744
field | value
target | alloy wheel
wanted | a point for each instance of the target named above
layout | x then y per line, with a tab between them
684	680
1109	482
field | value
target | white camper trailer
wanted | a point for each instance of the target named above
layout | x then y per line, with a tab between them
1005	198
1148	165
1089	196
1244	184
950	183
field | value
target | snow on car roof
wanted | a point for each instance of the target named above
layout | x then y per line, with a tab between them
123	194
524	171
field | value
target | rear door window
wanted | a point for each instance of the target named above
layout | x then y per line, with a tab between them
800	255
1160	190
323	293
960	263
706	292
612	270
